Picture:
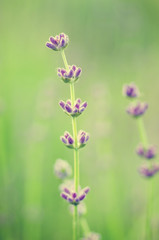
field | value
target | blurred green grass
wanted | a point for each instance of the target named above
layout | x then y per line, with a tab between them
114	42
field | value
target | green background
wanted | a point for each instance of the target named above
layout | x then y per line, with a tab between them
115	42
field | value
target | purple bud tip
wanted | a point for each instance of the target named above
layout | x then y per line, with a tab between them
63	139
70	140
84	105
86	190
64	196
68	108
66	190
78	72
62	104
81	197
74	195
82	139
50	45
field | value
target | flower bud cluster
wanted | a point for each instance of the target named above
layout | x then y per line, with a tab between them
58	43
71	75
75	110
73	197
69	141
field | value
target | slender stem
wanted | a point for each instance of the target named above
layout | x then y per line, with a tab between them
76	153
142	132
84	226
149	208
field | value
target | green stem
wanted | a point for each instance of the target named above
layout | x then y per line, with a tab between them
142	132
84	226
76	152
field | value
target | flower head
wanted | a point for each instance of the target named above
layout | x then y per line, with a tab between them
131	91
74	111
62	169
92	236
58	42
67	139
83	137
137	109
149	171
147	153
73	197
70	75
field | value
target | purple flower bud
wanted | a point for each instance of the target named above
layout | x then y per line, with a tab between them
66	190
58	42
64	196
50	45
137	109
74	195
149	171
53	41
84	105
86	190
81	197
140	150
68	108
70	140
148	153
78	72
82	139
63	140
62	104
131	91
70	75
68	102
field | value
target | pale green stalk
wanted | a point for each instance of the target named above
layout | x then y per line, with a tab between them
144	141
76	153
84	226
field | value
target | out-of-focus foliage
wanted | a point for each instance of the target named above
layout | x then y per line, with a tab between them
115	42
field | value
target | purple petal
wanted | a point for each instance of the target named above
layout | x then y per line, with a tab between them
86	190
50	45
74	195
64	196
84	105
68	102
62	104
82	139
68	108
62	43
74	68
63	140
82	197
53	41
78	72
70	74
66	190
70	140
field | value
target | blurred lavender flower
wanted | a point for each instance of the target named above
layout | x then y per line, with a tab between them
81	209
131	91
58	42
68	140
74	111
62	169
83	137
74	198
70	75
149	171
148	153
92	236
137	109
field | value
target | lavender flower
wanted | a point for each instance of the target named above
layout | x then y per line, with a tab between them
70	75
74	111
58	42
149	171
83	137
92	236
62	169
68	140
131	91
137	109
74	198
147	153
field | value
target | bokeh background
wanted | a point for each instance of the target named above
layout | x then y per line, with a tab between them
115	42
